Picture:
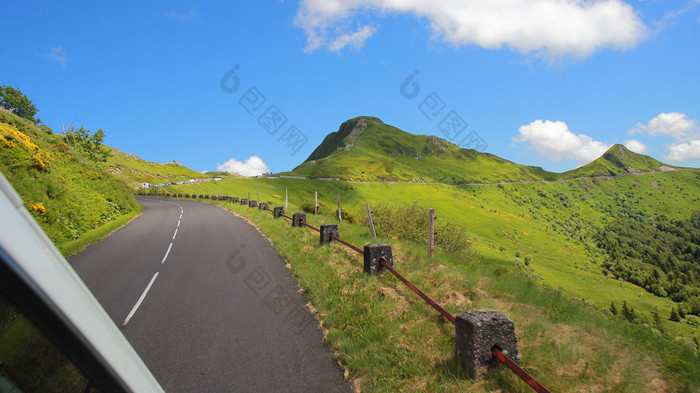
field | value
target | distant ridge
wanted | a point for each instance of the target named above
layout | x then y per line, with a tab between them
366	149
620	161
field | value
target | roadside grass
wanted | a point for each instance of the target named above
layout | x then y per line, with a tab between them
388	339
75	246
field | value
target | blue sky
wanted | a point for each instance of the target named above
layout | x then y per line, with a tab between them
211	84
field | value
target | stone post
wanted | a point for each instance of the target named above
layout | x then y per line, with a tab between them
373	253
476	333
297	218
326	231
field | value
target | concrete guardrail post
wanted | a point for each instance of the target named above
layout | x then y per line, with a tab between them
373	253
252	203
326	231
262	206
235	199
279	210
476	333
297	219
244	201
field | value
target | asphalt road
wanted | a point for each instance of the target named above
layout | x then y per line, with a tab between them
208	303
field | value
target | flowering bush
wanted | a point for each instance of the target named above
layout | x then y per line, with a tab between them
41	159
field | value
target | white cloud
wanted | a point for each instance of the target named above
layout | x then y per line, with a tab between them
673	124
671	18
57	54
356	39
684	152
551	28
554	141
636	146
251	167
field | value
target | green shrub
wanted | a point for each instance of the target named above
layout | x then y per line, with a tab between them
411	223
346	215
308	206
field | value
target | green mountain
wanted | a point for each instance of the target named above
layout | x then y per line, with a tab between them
69	195
366	149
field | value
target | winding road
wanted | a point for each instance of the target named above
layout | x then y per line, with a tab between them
208	303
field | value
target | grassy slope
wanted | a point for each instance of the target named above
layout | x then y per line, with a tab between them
389	340
82	201
135	170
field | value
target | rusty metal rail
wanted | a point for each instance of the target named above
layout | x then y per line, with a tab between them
347	244
420	293
307	225
519	371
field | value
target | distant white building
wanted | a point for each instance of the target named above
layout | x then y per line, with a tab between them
216	178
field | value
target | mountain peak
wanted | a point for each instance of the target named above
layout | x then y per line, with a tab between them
619	160
344	137
620	151
629	161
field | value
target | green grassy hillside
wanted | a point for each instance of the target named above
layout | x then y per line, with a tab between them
135	170
74	200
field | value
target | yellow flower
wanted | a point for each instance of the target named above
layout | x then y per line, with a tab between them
38	207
